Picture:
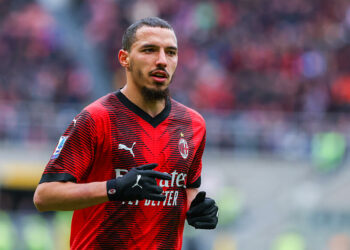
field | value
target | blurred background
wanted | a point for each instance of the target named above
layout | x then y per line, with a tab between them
271	78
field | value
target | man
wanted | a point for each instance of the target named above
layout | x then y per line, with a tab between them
130	163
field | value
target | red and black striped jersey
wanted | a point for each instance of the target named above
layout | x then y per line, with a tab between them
108	138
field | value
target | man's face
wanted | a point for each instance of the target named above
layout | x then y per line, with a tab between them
153	60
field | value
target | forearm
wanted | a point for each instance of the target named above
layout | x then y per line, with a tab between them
66	196
191	193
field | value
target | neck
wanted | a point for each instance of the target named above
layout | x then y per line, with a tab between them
153	108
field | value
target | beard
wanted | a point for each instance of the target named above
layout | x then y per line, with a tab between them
149	94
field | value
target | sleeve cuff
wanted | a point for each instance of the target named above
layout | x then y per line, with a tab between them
51	177
195	184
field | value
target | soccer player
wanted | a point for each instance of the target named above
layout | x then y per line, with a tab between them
129	164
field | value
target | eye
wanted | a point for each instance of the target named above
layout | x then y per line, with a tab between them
148	50
172	52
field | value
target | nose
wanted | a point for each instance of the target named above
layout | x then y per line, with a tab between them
161	60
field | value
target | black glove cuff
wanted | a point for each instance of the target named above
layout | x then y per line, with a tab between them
112	190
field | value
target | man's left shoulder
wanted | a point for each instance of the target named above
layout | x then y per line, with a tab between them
194	115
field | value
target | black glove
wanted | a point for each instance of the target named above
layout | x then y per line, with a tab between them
203	212
137	184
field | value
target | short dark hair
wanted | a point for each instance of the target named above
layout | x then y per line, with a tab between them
130	33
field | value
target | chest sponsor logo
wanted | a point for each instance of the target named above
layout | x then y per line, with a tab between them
124	147
177	180
59	147
183	147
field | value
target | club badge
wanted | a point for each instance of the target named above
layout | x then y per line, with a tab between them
183	146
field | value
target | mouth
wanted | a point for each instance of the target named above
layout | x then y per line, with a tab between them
159	75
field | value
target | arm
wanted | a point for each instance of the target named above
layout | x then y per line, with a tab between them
69	196
191	193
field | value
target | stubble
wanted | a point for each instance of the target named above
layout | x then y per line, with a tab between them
149	94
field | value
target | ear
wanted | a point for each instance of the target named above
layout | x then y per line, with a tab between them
123	57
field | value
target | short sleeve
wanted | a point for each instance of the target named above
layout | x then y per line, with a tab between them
74	154
194	180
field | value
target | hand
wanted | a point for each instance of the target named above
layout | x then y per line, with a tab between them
203	212
137	184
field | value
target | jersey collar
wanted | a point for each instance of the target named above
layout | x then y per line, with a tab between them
154	121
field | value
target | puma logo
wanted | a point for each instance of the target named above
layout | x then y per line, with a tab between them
138	178
122	146
75	121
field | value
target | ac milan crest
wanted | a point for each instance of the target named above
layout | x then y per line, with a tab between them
183	148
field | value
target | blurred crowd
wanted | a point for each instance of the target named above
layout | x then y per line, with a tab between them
34	65
285	56
245	55
36	72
